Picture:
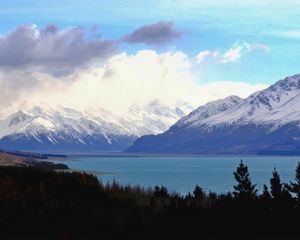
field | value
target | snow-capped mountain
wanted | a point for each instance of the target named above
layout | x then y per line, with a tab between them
266	122
95	129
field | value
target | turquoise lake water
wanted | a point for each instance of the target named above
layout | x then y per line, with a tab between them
181	174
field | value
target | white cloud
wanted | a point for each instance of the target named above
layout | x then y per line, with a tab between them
288	34
128	79
222	89
233	54
205	55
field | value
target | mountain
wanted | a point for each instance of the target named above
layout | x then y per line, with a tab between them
43	128
267	122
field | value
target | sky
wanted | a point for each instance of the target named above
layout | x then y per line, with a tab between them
115	53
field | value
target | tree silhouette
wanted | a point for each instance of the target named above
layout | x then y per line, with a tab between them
266	196
160	192
294	187
276	185
244	190
280	195
198	192
65	204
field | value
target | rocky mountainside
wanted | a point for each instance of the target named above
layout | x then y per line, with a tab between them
267	122
43	128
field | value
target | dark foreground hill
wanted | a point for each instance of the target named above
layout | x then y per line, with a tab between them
39	204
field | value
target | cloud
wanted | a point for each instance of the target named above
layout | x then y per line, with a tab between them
260	46
231	55
288	34
221	89
235	53
205	55
154	34
125	80
64	66
51	48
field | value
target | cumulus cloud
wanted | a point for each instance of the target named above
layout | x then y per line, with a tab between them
128	79
154	34
33	63
231	55
33	59
51	48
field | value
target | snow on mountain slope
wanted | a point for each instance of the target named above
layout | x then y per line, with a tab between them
155	118
65	129
268	120
208	110
273	104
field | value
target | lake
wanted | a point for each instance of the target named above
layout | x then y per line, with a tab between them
181	174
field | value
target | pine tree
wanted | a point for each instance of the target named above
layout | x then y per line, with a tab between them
198	192
276	185
281	198
160	192
266	196
244	190
294	187
199	197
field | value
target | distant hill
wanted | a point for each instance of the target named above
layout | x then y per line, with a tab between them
20	160
10	160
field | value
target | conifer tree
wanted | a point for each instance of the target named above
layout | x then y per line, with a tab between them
294	187
198	192
281	198
276	185
244	189
199	197
160	191
266	196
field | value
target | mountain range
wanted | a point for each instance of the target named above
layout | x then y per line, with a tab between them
266	122
61	129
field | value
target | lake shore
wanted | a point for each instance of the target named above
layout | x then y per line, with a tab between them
7	159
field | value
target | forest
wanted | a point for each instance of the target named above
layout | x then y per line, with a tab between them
48	204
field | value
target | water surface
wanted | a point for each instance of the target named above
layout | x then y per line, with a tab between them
181	174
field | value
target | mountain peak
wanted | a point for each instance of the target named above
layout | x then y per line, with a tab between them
208	110
288	83
43	127
266	121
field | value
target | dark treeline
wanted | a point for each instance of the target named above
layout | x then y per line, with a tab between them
44	204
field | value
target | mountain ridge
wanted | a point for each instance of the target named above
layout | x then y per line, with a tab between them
43	128
266	121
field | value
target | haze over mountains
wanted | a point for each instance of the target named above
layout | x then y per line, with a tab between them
44	128
267	122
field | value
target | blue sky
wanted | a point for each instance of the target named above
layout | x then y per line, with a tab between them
268	31
204	25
